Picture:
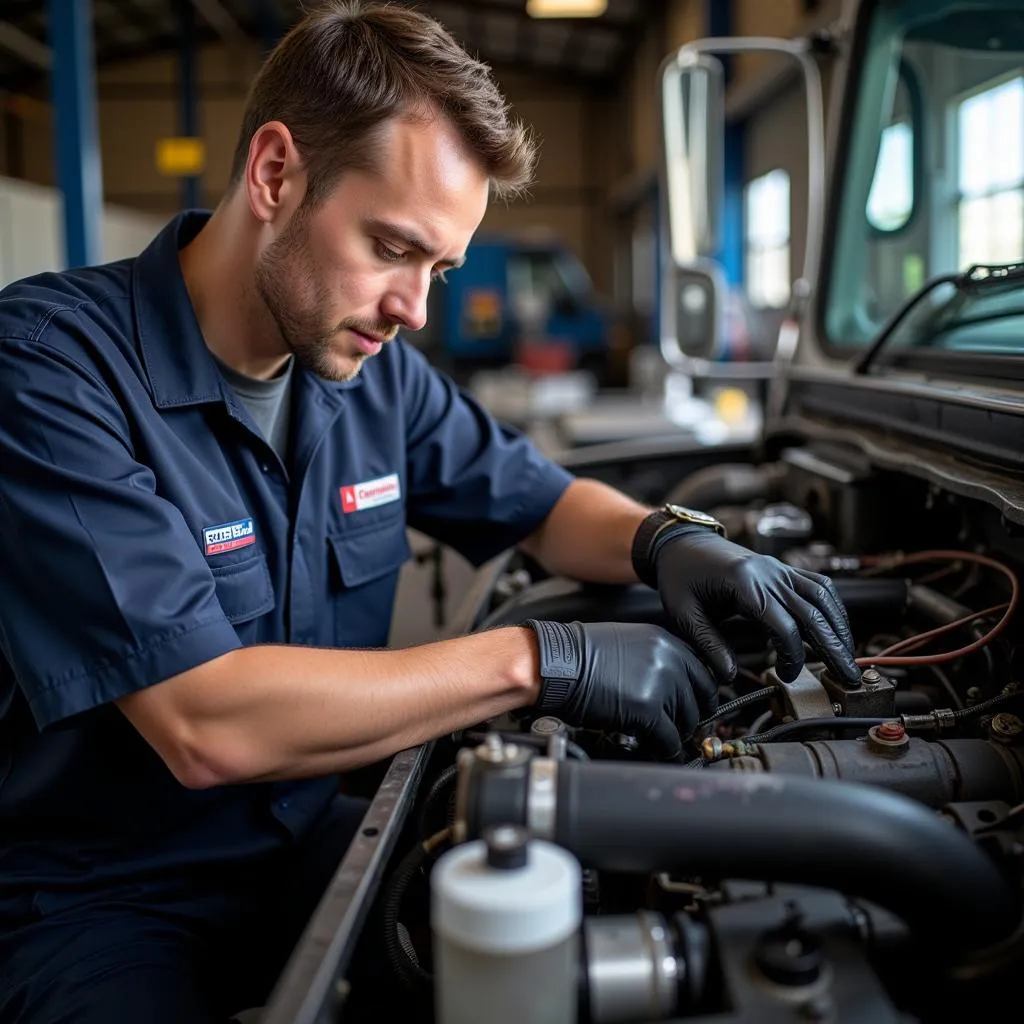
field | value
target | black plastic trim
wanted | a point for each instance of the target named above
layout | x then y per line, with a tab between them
984	368
979	432
312	988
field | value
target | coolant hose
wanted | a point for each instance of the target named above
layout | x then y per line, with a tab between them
857	839
728	484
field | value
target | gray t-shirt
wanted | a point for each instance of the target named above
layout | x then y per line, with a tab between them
269	403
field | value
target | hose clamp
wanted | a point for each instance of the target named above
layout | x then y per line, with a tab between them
542	797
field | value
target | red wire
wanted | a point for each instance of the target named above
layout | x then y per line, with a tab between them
888	657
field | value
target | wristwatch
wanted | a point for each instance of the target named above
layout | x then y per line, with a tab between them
655	529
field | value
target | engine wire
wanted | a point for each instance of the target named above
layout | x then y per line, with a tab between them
911	643
889	657
734	705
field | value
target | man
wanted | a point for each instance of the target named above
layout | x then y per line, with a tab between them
210	455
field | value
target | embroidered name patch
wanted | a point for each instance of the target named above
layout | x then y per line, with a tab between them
370	494
229	536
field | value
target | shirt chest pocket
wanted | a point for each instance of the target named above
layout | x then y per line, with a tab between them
244	589
364	578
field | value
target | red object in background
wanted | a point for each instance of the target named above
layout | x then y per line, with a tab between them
546	357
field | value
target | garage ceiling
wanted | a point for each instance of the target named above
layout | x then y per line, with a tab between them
498	31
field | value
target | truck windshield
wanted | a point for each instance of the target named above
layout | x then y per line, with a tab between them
933	172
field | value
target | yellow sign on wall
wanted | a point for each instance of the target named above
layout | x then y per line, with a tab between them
180	156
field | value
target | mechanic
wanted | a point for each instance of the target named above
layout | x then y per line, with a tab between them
210	455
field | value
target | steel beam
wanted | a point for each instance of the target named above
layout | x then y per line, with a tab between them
188	103
221	20
21	45
732	243
76	134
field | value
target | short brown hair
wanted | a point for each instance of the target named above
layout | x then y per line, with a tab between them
348	66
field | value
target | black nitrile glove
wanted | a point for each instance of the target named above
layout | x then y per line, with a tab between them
627	677
703	578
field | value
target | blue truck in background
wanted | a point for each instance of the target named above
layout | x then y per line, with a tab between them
525	301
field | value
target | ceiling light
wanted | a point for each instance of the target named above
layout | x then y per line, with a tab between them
566	8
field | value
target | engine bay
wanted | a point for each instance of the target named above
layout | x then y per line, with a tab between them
824	852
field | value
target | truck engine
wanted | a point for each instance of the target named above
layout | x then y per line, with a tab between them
825	853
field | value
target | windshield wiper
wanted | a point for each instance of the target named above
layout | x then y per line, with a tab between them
977	278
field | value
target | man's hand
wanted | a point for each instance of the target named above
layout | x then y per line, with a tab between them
627	677
703	578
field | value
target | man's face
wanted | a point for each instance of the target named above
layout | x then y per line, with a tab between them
340	280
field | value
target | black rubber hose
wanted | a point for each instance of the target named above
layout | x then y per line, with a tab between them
727	484
438	790
400	955
788	729
857	839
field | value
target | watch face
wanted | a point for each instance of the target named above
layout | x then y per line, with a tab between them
691	515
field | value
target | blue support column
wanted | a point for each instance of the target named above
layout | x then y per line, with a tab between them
730	253
732	241
76	132
188	110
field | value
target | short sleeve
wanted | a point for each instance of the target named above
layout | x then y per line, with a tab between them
474	484
103	589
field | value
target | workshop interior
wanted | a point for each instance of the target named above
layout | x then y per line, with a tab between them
772	269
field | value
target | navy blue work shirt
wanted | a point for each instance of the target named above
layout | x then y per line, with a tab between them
146	527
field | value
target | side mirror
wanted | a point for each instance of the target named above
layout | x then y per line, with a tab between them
693	302
693	113
693	133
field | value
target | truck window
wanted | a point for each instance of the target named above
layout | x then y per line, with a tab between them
941	83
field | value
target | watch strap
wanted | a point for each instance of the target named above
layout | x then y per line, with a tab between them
660	527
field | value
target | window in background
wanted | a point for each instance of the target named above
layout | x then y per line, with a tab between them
766	208
990	136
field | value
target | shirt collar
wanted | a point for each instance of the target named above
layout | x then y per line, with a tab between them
180	367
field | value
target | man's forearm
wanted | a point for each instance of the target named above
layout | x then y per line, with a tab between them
588	535
277	712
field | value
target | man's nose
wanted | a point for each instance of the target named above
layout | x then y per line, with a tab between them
406	302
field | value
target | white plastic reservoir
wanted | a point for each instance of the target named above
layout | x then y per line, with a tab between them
505	913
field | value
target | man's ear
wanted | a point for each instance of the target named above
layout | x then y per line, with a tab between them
274	179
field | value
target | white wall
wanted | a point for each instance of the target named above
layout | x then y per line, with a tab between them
31	230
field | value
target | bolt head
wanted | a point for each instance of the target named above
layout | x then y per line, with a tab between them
1007	725
891	731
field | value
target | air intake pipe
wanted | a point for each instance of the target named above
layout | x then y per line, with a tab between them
856	839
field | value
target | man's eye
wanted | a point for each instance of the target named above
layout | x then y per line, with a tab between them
439	275
388	254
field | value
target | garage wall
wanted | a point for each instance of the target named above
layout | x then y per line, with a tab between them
683	21
138	104
783	18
